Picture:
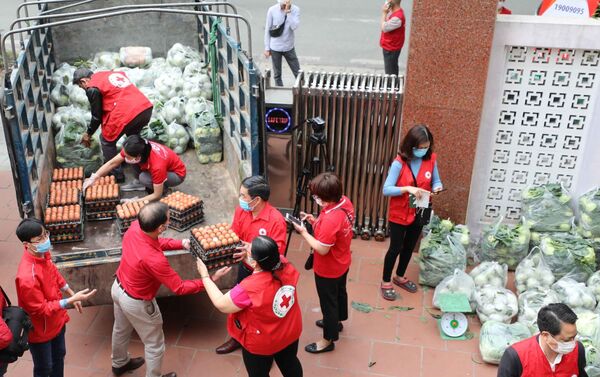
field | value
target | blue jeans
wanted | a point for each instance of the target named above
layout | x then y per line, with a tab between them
49	357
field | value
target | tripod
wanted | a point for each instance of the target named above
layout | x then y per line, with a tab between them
317	141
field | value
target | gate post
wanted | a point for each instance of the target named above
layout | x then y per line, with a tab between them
447	68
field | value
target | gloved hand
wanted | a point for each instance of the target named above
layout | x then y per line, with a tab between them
129	200
90	181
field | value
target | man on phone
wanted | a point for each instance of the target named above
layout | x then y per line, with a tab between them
283	19
393	28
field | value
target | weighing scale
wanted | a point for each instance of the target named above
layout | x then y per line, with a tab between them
454	323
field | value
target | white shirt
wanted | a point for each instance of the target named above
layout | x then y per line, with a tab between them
275	16
557	360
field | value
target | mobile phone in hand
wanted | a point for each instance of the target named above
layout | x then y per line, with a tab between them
439	191
293	219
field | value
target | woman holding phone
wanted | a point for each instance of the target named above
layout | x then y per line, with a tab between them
413	172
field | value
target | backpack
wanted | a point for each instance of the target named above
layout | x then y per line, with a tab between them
19	324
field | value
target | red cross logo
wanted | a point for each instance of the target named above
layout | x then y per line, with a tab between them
285	301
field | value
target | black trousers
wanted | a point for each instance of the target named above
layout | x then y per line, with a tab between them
333	299
390	62
403	239
109	148
292	60
286	359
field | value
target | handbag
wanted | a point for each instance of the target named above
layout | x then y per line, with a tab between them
277	30
422	214
19	324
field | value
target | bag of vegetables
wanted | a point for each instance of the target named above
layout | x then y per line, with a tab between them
180	55
504	243
169	84
533	272
439	255
575	294
546	208
496	337
63	74
459	282
71	153
178	137
70	114
135	56
78	97
107	61
588	324
589	209
567	253
530	303
593	283
174	110
490	273
60	95
496	304
208	141
156	130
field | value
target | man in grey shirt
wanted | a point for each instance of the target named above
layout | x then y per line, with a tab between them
283	45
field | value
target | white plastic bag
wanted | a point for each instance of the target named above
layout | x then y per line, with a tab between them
593	284
169	84
530	303
490	273
533	272
496	304
174	110
496	337
180	55
60	95
78	97
459	282
546	208
107	61
505	243
178	137
63	74
574	294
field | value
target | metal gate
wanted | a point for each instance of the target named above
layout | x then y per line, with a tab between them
362	124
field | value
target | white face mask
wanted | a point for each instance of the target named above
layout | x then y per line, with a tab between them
318	201
564	347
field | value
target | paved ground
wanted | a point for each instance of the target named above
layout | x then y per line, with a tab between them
381	343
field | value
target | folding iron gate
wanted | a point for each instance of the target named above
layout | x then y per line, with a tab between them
362	123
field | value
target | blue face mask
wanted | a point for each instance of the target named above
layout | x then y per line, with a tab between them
43	247
420	152
245	205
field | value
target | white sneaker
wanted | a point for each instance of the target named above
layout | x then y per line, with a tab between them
133	186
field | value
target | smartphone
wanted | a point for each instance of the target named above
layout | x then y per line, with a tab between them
437	192
293	219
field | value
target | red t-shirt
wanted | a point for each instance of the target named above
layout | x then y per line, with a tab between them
144	266
269	222
333	228
161	161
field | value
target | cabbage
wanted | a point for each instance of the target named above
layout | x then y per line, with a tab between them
63	74
194	110
107	61
589	208
546	208
530	303
504	243
574	294
180	55
568	253
533	272
69	151
174	110
60	95
71	114
178	137
490	273
196	87
593	283
496	304
496	337
169	84
78	97
194	69
156	130
142	77
459	282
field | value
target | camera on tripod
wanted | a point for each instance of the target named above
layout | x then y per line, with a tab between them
318	127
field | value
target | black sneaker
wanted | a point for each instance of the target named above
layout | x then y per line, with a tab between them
133	364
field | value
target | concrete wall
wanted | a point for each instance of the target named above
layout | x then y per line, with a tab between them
158	31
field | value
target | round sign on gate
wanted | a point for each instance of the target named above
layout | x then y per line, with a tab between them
278	120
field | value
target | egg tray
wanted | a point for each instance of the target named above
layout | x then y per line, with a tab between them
220	263
76	226
216	253
183	226
106	206
79	201
76	237
189	217
124	224
101	215
181	215
103	203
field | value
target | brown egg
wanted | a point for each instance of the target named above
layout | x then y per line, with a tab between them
212	245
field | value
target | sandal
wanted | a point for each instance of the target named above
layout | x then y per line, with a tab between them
388	293
407	285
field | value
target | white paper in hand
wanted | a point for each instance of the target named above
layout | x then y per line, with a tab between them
423	202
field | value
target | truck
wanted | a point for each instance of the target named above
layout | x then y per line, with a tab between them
66	30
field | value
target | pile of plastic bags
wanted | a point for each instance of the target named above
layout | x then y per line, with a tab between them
566	253
442	250
546	208
507	244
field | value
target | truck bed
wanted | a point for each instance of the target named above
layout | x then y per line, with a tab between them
97	257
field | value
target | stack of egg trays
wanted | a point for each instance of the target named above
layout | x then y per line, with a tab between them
214	258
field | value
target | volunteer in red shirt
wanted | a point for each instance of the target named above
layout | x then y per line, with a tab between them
413	172
118	105
6	336
332	257
40	289
553	352
142	270
264	314
160	167
254	217
393	30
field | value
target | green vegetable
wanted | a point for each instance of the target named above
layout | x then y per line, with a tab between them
490	273
496	337
496	304
504	243
530	303
589	207
546	208
533	272
574	294
458	282
568	253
